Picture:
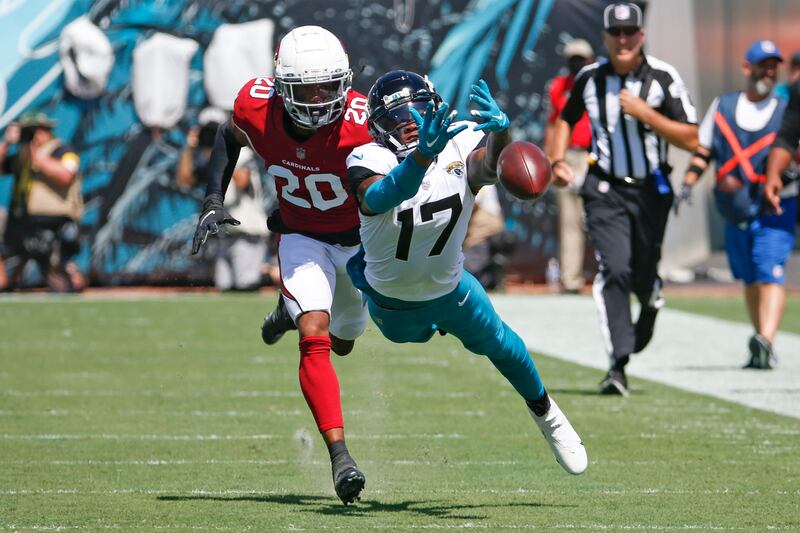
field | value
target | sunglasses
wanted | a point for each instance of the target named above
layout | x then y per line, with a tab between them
628	32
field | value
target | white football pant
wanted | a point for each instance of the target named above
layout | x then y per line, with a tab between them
314	276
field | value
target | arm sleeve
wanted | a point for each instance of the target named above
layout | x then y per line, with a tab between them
789	134
395	187
399	182
224	155
356	176
575	106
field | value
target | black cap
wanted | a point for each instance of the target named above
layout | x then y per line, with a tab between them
622	14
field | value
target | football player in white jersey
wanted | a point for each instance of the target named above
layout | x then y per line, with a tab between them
416	186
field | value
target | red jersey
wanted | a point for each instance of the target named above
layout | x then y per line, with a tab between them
310	175
559	91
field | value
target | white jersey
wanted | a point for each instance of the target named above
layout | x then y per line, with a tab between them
413	252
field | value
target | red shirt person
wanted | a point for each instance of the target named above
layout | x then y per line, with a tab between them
577	53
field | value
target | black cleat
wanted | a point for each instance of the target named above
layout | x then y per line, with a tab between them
276	324
615	383
349	483
761	355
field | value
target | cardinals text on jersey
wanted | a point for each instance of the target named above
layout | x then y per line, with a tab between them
310	176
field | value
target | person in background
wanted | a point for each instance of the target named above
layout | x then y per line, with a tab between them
242	251
737	132
484	236
784	150
46	204
638	105
782	89
571	237
193	166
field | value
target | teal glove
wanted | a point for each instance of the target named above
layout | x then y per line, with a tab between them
433	129
491	116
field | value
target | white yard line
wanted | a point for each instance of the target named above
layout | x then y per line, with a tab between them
147	393
691	352
187	462
50	436
157	437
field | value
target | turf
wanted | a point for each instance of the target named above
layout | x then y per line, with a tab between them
733	308
171	414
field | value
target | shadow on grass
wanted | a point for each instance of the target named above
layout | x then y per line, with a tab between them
595	392
330	506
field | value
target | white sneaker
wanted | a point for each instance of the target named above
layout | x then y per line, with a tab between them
562	438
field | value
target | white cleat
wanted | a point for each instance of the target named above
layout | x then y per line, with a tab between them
562	438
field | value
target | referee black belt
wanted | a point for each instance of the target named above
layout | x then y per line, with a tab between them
626	180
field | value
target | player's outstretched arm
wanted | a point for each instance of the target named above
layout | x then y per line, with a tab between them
224	155
380	194
482	162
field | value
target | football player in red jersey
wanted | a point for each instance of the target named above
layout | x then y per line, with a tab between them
304	123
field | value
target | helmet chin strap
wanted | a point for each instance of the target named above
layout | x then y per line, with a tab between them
400	150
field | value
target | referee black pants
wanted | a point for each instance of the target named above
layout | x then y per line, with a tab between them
626	224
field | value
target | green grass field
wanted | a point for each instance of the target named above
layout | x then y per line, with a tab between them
169	414
733	308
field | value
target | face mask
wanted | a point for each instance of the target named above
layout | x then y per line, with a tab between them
575	64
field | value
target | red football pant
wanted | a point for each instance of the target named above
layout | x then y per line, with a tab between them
319	383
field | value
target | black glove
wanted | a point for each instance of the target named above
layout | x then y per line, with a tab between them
684	195
213	215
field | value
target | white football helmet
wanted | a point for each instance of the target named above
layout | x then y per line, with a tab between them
312	75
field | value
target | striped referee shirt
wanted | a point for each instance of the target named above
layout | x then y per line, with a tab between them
622	146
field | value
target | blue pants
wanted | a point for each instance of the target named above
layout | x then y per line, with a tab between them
758	251
465	313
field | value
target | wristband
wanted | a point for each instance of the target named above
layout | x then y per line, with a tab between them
696	169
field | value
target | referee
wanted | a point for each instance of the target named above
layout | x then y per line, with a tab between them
637	105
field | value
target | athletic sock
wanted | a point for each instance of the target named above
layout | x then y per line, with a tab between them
319	383
340	456
540	406
619	363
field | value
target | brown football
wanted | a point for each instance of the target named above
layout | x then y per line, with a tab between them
524	170
729	184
